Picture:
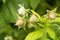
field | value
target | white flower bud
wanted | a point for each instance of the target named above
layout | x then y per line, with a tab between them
21	10
33	18
52	15
30	25
8	38
20	22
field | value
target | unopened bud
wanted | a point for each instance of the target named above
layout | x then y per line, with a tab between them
30	25
52	15
21	10
8	38
33	18
20	22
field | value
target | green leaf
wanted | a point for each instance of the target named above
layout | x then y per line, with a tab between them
9	12
57	20
12	10
55	9
42	7
43	39
4	1
51	32
34	35
4	26
34	3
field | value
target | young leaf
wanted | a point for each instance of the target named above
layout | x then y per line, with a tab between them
51	32
55	9
34	35
57	20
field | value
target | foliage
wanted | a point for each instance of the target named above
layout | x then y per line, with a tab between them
41	26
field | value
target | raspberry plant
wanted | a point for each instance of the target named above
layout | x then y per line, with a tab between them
29	19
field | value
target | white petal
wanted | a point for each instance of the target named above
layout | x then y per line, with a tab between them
8	37
21	10
19	5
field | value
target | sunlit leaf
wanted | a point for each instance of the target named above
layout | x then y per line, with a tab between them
4	1
34	35
55	9
57	20
51	32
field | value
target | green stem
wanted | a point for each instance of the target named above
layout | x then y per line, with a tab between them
39	17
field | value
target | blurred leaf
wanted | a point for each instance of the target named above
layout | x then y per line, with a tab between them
4	1
4	26
51	32
57	20
43	39
12	10
34	3
55	9
42	7
34	35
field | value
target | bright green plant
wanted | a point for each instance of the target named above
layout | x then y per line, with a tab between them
29	19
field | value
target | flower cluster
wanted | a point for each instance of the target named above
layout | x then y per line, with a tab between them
8	38
21	20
